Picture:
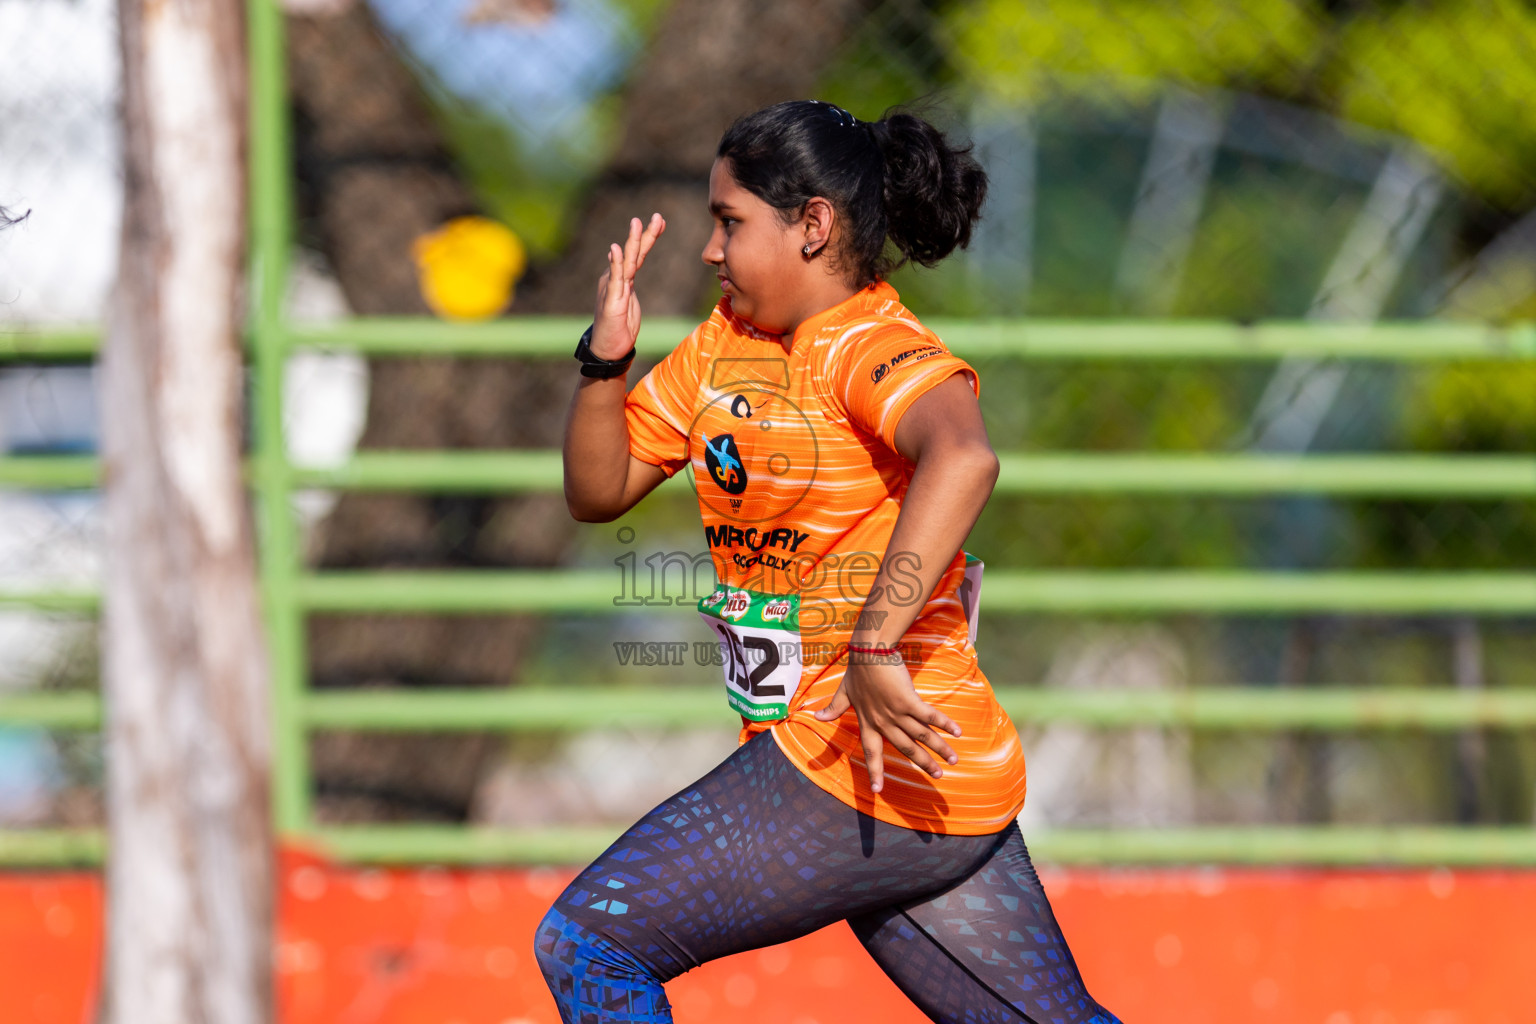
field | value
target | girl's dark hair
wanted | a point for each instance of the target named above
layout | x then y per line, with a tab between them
6	220
897	179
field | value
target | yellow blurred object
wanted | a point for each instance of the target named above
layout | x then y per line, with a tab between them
467	268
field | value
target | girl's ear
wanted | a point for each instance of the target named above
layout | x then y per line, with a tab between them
817	222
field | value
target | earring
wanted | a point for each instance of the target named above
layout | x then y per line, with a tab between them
806	251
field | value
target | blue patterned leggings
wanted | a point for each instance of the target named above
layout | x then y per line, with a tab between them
755	854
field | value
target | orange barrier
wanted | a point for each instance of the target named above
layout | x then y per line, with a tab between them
50	945
1192	946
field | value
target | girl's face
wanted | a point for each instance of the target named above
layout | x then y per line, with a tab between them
754	253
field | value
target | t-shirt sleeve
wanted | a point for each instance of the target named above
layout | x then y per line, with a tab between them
887	369
659	408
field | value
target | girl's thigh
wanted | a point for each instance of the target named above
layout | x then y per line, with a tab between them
753	854
987	950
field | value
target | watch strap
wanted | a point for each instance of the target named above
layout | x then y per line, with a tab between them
598	368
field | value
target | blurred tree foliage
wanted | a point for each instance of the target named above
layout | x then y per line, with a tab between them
1454	75
1127	49
1264	243
1462	407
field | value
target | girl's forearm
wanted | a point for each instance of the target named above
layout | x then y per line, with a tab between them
950	486
596	450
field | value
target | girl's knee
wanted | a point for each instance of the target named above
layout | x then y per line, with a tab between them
559	949
591	977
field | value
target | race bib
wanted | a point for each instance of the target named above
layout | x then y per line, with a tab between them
759	638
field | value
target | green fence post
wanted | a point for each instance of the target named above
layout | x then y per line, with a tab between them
278	555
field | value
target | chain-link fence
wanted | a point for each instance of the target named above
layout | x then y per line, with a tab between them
59	174
1233	160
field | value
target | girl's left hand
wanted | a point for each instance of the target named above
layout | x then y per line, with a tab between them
881	693
616	323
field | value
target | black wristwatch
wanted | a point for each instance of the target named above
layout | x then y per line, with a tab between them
602	369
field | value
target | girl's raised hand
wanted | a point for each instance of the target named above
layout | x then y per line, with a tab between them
617	322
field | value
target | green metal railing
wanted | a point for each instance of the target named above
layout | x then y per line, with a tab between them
290	592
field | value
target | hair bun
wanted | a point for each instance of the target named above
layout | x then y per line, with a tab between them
933	191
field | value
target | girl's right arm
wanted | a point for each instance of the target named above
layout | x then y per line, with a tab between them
602	479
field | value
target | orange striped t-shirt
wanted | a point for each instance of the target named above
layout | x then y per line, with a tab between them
799	486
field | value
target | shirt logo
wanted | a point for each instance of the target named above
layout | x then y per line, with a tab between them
921	352
723	460
728	450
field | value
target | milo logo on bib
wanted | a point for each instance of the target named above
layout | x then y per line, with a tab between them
759	638
737	604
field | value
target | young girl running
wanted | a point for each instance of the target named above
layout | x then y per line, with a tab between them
840	461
